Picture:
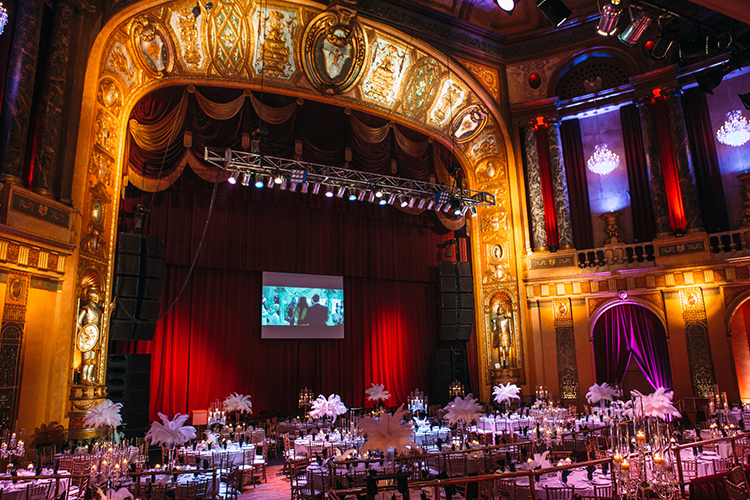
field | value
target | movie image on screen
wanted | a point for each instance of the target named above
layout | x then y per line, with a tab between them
302	306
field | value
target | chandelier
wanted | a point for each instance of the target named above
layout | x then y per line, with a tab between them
735	131
3	17
603	161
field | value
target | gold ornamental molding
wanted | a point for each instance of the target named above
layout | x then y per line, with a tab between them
305	50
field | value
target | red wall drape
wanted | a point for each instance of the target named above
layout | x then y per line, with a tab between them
209	345
545	174
669	167
578	188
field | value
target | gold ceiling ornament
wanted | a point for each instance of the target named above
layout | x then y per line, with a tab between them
334	50
152	46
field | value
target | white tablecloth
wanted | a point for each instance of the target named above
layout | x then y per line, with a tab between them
234	453
17	491
443	433
577	478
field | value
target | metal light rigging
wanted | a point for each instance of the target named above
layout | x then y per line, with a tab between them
269	170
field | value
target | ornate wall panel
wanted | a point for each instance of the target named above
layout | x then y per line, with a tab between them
152	44
699	349
11	343
567	365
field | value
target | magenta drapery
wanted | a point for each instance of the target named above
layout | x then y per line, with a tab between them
626	333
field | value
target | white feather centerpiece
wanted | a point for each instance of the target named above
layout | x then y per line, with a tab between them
658	404
377	393
599	393
387	432
170	432
105	413
504	393
238	402
464	409
331	407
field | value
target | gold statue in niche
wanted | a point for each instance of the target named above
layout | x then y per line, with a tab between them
87	338
501	322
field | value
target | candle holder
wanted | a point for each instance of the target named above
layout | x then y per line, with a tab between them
11	445
109	465
305	400
417	401
456	389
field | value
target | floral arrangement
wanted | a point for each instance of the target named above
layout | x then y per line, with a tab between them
239	403
170	432
387	432
658	404
465	409
331	407
504	393
105	413
377	393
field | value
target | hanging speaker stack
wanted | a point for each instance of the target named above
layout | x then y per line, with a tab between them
457	300
138	286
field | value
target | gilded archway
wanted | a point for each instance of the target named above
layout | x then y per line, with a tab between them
246	43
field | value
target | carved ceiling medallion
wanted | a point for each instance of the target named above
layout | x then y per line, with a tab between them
419	91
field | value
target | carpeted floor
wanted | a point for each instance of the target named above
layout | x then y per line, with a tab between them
277	487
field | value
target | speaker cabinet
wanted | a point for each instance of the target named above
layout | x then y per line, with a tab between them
128	382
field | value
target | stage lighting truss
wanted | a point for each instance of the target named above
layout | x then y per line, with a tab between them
422	194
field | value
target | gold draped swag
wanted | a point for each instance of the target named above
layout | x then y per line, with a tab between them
159	136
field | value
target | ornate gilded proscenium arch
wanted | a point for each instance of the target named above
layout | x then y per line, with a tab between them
296	49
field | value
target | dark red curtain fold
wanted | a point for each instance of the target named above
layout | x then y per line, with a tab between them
578	189
545	173
210	344
638	176
705	162
668	163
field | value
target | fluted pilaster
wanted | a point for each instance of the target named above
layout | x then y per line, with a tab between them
560	187
19	88
536	198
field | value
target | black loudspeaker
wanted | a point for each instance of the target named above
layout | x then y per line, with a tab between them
457	301
128	382
139	285
446	366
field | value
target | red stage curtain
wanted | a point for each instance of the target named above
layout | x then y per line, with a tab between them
638	175
209	345
545	173
706	164
578	188
669	167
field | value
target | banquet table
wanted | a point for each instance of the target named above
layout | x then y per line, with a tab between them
17	490
500	424
159	477
307	444
443	433
577	478
235	453
704	461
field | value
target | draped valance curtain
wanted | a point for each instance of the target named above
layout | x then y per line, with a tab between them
626	333
170	128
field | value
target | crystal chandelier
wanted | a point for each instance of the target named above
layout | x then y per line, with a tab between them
603	161
3	17
735	131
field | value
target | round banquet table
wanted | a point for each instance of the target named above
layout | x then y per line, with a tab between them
577	478
235	453
436	433
17	490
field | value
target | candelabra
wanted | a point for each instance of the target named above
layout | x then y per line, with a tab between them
12	445
542	394
216	414
456	389
417	401
108	467
305	400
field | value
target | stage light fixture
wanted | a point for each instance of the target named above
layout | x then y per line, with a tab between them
437	206
305	187
422	202
259	182
454	206
352	194
507	5
382	201
361	193
371	197
473	211
271	181
665	39
278	177
329	192
246	179
411	203
610	15
430	204
635	29
233	178
447	208
282	186
378	193
404	202
710	79
316	188
441	197
702	46
554	10
745	98
293	186
340	192
391	199
298	175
